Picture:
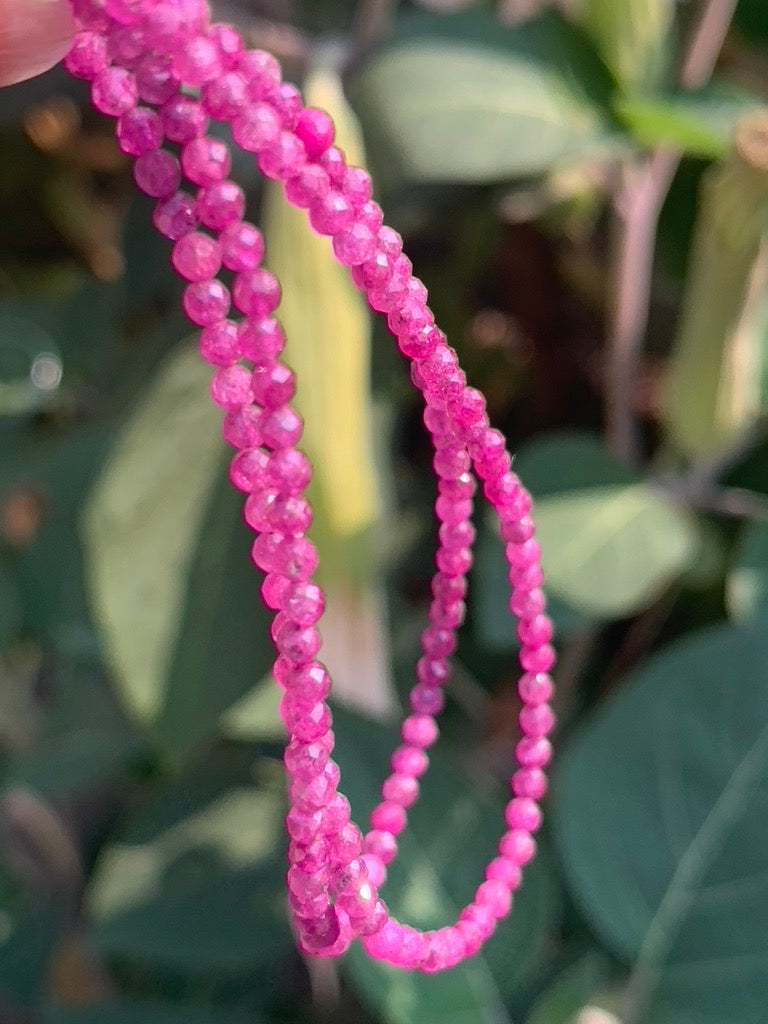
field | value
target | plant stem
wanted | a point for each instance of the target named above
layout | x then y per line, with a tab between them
638	206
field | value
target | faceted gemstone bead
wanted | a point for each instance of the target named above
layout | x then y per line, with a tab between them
419	730
307	187
523	813
335	815
155	80
400	789
315	129
261	339
287	102
290	515
409	760
321	933
533	751
183	119
273	591
224	96
256	292
535	688
282	428
309	724
432	671
303	606
356	186
496	896
283	157
205	160
157	173
113	91
261	71
331	214
534	632
87	55
289	470
426	700
196	257
526	604
382	844
333	163
304	760
248	469
540	660
518	845
472	936
231	387
529	782
377	873
303	825
242	427
537	719
504	870
388	817
174	217
220	204
127	45
219	343
354	245
229	44
198	62
273	385
242	246
206	302
139	130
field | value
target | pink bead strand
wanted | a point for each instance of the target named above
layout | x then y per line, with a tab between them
141	50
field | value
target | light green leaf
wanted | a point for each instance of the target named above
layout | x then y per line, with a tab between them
658	813
222	645
490	590
204	894
713	388
463	98
141	524
609	543
747	582
450	836
634	38
701	124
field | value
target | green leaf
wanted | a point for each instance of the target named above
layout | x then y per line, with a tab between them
571	990
202	895
141	525
701	124
609	543
634	38
222	644
463	98
167	563
747	582
141	1012
713	390
450	836
658	813
492	621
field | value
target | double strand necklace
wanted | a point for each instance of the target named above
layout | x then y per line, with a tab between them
163	70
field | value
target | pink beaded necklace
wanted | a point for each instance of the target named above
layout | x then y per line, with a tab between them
162	70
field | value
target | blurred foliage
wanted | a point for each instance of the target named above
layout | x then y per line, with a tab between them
141	792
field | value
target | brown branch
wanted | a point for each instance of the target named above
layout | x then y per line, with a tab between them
638	207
